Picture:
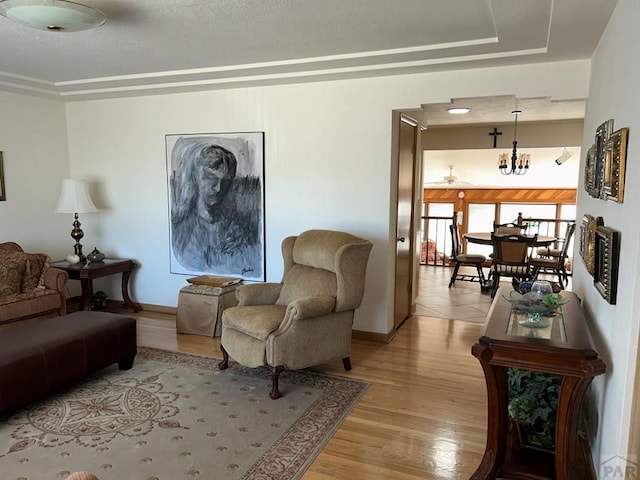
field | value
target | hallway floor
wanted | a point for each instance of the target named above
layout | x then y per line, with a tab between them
463	301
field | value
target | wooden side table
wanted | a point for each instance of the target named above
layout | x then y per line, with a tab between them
88	271
564	348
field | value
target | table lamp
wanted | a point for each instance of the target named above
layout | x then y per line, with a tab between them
75	199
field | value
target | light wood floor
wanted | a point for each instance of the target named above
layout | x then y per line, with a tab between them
424	416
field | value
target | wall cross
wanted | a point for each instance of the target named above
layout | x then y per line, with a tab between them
495	134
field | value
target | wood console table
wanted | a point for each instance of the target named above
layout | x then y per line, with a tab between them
564	348
88	271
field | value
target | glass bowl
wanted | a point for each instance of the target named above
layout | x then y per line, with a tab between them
535	306
524	286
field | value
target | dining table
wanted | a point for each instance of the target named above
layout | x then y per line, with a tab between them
484	238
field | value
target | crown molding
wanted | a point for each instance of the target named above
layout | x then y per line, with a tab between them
257	74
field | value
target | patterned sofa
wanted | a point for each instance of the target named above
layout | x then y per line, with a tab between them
29	288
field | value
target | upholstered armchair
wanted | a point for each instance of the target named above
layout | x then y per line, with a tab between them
307	318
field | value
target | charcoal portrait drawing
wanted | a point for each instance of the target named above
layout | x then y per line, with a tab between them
216	204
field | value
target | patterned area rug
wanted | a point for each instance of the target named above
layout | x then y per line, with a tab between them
175	416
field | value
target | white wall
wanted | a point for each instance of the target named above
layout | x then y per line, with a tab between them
613	93
316	177
328	162
33	139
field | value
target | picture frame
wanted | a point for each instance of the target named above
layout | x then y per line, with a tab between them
3	195
590	171
615	165
216	204
602	135
587	240
582	245
607	259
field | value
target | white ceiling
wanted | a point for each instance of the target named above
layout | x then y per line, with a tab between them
498	109
153	46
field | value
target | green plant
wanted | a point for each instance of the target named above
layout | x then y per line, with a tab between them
533	402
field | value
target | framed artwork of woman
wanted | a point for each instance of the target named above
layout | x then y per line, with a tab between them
216	204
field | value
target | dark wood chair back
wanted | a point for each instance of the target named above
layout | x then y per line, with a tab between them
571	228
460	259
511	255
456	248
555	263
513	249
509	228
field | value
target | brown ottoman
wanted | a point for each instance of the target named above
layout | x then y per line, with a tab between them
39	358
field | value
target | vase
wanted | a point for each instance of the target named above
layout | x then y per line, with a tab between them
73	258
96	256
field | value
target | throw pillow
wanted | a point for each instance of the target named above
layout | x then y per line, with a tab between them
38	264
10	247
11	273
35	266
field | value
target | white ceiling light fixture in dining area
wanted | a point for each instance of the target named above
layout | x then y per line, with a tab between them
450	179
52	15
519	162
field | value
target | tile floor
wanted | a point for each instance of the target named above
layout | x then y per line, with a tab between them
463	301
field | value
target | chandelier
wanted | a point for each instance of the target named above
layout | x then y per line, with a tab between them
519	163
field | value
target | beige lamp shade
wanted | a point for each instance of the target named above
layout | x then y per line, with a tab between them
74	198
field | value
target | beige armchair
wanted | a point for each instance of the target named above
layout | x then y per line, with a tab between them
306	319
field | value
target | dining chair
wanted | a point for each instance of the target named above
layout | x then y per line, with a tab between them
556	252
554	264
509	228
511	257
464	259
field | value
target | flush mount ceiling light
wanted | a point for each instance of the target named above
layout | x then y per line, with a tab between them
458	110
52	15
